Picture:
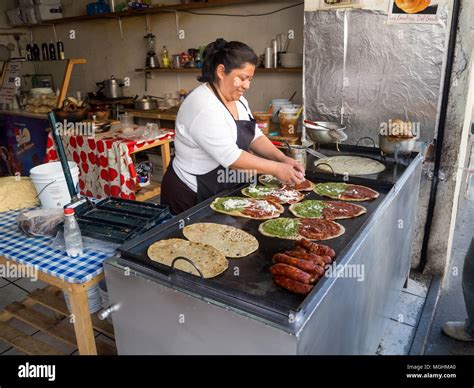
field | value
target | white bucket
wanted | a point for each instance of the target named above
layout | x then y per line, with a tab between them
50	184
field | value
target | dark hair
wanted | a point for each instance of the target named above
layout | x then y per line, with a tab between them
233	55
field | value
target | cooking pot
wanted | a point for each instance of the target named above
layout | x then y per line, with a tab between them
325	132
391	145
112	88
146	103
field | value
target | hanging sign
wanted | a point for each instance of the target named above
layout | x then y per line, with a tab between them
413	11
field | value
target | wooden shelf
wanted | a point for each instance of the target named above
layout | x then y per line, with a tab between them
149	192
149	11
154	114
195	70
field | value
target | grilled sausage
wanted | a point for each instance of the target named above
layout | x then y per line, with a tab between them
292	273
322	250
292	285
305	265
304	255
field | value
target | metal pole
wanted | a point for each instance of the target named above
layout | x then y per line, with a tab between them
62	156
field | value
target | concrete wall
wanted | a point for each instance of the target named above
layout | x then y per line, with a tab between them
107	54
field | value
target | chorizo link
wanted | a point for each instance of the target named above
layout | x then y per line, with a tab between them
319	249
320	260
292	273
305	265
292	285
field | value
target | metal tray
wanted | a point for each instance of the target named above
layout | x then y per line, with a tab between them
117	220
247	284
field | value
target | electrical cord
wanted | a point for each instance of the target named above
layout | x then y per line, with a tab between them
241	16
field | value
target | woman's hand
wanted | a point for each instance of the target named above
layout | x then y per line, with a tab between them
295	164
288	173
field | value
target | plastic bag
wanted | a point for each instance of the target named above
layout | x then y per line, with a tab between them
40	222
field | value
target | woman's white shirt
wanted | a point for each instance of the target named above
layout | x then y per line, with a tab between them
206	135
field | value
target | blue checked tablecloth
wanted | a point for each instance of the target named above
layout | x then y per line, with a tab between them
37	252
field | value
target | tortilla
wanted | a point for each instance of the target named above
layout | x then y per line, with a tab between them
17	193
329	210
278	195
232	242
271	181
258	209
345	191
206	258
351	165
298	228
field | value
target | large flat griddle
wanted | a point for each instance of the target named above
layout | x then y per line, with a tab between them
394	168
253	289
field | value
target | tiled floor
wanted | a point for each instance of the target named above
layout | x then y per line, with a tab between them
400	328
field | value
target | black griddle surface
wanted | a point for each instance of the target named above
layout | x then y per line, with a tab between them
247	280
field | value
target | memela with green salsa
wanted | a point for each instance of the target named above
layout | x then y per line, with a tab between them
345	191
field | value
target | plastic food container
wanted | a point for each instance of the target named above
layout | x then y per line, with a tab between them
289	120
277	104
263	121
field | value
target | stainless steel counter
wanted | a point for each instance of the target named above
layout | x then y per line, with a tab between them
345	314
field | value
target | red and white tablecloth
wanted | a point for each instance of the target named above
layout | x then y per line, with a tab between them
105	163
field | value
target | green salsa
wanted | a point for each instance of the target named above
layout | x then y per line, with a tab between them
281	227
330	189
309	209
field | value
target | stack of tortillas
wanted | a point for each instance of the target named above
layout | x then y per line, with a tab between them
17	193
232	242
207	259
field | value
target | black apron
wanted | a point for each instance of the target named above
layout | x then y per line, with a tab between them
179	197
208	184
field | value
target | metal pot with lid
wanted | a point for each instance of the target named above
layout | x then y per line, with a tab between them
112	88
146	102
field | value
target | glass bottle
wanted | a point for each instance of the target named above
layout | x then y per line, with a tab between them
52	51
61	54
165	59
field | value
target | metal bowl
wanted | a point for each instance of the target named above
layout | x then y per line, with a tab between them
390	145
325	132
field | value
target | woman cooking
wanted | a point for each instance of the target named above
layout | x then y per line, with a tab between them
215	131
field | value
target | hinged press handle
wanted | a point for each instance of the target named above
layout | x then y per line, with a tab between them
188	261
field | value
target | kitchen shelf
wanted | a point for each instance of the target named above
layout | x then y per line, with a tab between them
195	70
149	11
